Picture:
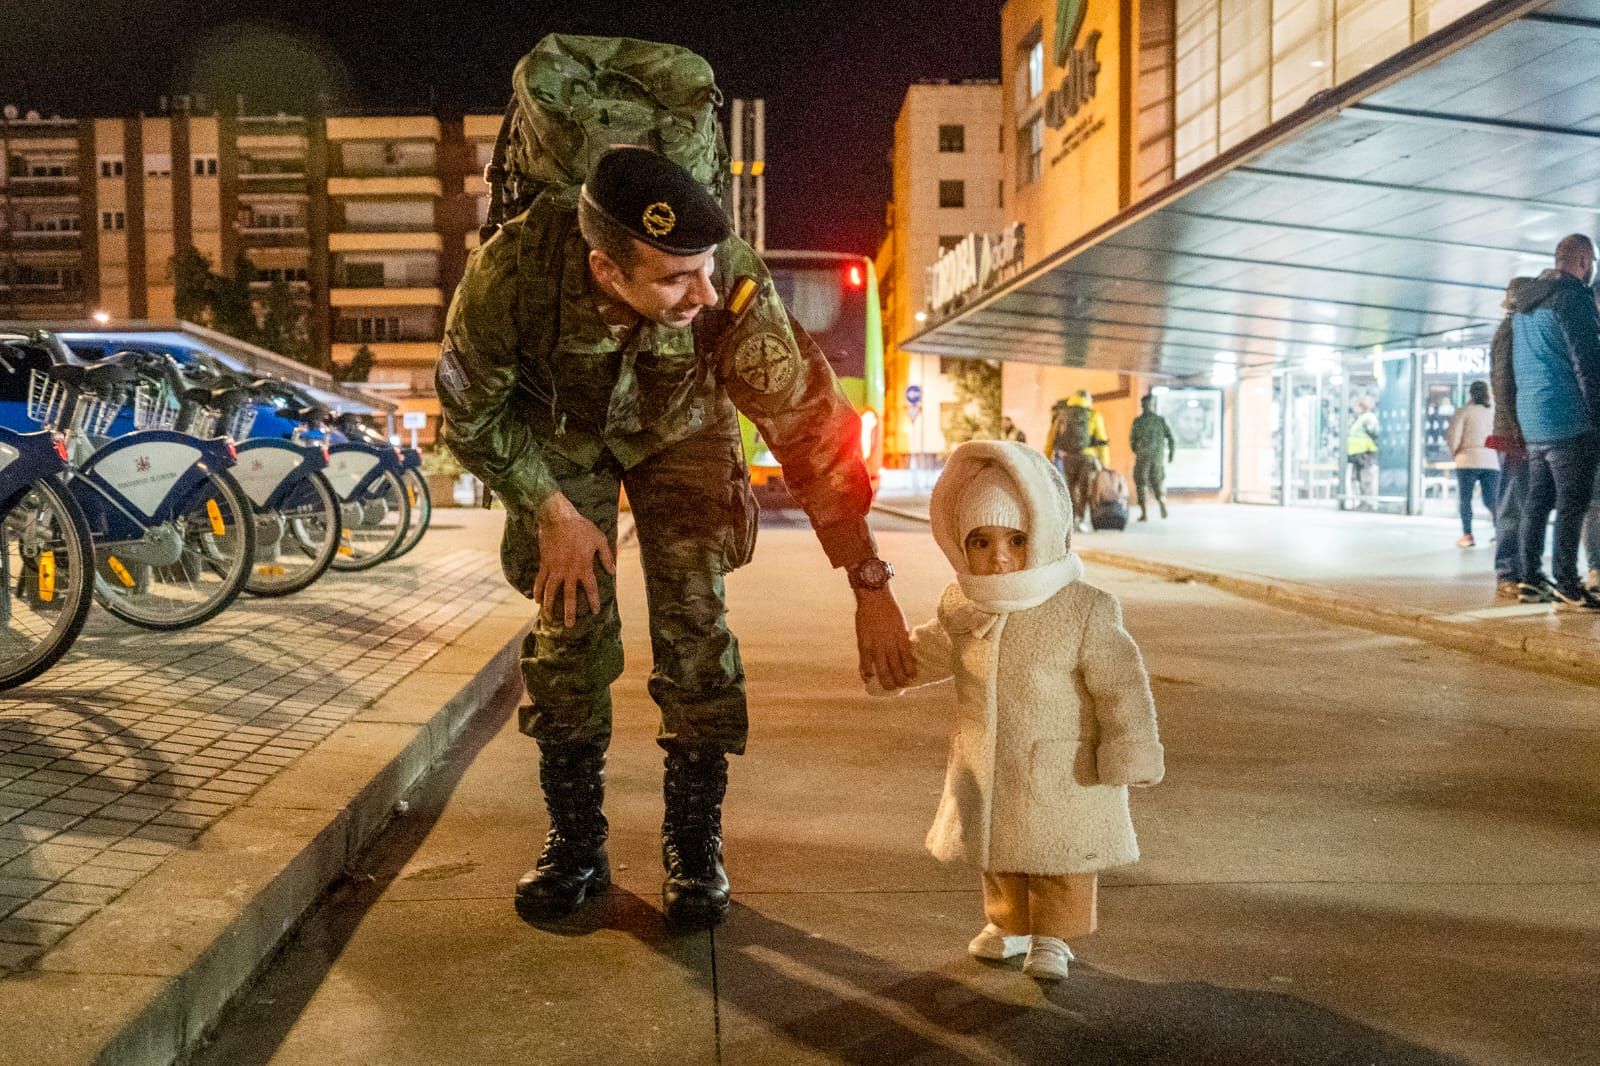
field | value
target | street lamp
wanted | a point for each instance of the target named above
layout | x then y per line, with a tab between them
102	318
921	316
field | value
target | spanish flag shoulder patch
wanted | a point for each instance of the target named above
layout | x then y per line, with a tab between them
743	295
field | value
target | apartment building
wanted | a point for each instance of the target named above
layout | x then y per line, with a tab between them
367	218
948	185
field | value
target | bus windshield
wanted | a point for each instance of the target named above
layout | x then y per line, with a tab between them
828	297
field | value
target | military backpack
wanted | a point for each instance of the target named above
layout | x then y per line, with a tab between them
1071	430
574	97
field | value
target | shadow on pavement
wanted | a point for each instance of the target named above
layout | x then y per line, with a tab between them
251	1031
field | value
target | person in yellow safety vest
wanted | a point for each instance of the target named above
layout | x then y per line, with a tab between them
1361	452
1099	442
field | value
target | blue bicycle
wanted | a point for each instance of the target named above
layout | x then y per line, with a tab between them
46	556
172	531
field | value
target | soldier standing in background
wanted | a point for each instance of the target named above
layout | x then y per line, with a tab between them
603	341
1153	448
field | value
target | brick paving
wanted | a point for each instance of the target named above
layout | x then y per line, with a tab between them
136	742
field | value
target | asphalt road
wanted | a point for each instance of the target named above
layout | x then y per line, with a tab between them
1367	850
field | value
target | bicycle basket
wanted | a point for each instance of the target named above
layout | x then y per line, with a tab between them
240	421
153	407
96	413
47	399
203	421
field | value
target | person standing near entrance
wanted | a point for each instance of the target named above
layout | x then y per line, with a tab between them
1153	448
1513	454
1361	452
1476	463
1555	356
1009	430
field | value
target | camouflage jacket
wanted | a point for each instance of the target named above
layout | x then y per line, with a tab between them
529	368
1152	438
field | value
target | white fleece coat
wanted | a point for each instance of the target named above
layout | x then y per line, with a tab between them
1054	716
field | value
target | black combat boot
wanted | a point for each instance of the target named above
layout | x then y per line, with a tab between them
574	865
695	895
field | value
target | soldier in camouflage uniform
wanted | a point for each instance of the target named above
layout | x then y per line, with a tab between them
603	344
1153	449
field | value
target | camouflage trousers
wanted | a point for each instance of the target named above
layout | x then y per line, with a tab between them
696	520
1149	476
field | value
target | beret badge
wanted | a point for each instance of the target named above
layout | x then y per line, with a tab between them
659	219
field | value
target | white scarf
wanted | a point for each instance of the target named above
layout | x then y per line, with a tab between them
993	596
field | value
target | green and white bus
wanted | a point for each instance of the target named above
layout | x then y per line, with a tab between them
834	296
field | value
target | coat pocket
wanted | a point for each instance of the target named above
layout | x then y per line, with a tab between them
1057	766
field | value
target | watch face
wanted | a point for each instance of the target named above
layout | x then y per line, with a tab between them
873	573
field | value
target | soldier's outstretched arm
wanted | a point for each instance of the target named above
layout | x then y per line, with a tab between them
779	378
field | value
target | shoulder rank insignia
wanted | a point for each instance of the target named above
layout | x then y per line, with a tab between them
765	363
743	296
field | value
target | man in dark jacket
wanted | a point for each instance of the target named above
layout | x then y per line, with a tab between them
1555	359
1507	440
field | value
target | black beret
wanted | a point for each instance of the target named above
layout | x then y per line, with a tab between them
656	200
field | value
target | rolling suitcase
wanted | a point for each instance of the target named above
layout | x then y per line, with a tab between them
1108	503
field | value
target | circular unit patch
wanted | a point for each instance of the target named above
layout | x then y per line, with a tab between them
766	363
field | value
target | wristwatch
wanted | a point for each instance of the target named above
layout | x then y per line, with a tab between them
870	573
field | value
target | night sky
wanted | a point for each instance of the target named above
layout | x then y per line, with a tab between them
833	74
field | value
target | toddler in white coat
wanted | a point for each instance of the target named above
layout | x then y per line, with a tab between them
1053	718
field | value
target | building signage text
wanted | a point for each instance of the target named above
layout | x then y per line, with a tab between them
1077	86
976	264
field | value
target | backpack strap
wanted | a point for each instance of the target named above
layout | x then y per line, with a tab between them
496	174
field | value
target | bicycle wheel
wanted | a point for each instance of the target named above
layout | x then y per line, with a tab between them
296	543
46	573
421	502
373	524
184	571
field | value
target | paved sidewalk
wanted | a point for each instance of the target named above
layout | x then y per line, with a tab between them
1396	574
139	747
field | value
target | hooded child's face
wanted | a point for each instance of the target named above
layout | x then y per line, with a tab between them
996	550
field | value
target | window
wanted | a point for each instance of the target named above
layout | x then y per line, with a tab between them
1030	151
378	329
1000	194
289	274
113	220
158	166
205	166
952	194
48	170
948	241
952	138
364	275
1030	68
111	166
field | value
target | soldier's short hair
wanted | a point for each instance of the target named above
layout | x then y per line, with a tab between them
605	234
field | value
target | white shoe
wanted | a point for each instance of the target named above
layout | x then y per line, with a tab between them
993	943
1047	959
1593	581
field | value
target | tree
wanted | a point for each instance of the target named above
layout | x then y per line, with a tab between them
976	413
232	310
283	324
358	368
191	283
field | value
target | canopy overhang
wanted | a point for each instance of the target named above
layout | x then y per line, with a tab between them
1390	211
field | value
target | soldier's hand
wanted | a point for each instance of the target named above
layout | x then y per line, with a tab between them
882	640
568	544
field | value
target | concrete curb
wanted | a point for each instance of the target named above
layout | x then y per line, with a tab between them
1559	652
141	982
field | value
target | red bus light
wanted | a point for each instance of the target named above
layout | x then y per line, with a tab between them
855	277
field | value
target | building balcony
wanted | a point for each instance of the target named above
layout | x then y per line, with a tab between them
390	128
262	285
409	240
392	353
482	127
397	296
274	236
348	333
269	181
44	240
39	188
386	185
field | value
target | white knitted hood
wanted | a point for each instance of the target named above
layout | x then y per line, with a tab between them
1047	512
